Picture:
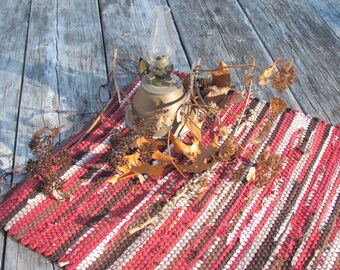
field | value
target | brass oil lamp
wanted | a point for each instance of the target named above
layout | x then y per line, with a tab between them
161	95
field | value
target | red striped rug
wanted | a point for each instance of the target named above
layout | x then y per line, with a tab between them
291	223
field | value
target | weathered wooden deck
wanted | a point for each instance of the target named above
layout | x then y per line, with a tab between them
54	55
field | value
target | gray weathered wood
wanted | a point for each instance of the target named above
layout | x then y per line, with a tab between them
127	27
218	30
24	258
65	64
2	242
329	11
64	67
292	29
14	23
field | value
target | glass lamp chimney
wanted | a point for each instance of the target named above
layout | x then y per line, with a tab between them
161	47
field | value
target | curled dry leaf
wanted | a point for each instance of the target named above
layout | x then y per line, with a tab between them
135	165
247	78
278	106
265	77
201	156
221	77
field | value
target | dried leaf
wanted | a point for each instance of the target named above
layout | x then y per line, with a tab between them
247	78
217	93
190	151
256	141
221	77
134	164
194	127
251	174
278	106
201	156
265	77
143	67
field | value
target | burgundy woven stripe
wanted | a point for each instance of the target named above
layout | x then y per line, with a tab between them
290	223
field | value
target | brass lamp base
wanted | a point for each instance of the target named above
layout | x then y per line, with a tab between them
160	105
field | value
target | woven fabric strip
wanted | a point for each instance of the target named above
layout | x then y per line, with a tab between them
291	223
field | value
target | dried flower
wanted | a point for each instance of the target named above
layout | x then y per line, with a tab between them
285	77
48	166
264	78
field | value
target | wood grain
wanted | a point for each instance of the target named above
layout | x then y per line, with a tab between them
14	24
293	29
14	18
218	30
329	11
2	244
64	66
127	27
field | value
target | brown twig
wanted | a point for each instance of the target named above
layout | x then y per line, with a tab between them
143	225
232	66
114	74
172	161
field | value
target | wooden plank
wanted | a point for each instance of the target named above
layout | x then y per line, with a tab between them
215	31
24	258
14	24
65	64
329	11
293	29
2	244
127	27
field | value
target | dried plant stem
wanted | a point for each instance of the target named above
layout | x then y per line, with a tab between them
169	150
231	66
143	225
114	74
242	114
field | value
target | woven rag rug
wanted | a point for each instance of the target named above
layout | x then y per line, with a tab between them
290	223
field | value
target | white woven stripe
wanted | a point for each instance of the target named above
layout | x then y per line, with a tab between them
220	195
248	125
285	227
172	255
317	217
332	255
299	122
30	205
249	230
100	248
